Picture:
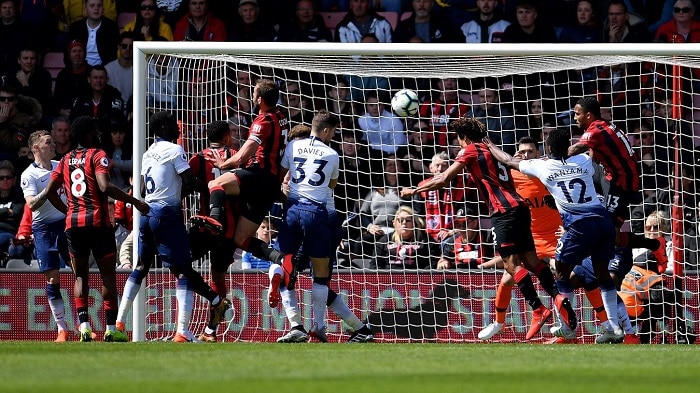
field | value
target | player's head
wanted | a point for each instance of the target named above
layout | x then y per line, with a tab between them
558	142
527	147
266	93
468	129
299	131
164	125
587	110
83	132
41	144
324	124
218	131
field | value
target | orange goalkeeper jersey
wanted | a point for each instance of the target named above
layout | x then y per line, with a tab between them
545	220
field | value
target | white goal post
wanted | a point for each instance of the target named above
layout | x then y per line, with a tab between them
397	301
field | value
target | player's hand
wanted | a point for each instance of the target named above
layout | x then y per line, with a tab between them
215	157
407	192
142	207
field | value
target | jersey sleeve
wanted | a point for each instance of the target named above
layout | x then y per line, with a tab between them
259	131
335	161
100	162
180	159
530	167
28	184
286	161
590	138
57	173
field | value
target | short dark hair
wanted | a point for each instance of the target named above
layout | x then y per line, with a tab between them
559	141
80	128
527	139
217	131
590	104
620	3
268	91
163	124
468	127
324	119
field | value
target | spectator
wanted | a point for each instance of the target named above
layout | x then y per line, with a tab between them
18	115
338	103
163	78
22	246
121	70
293	102
267	233
383	131
37	16
34	81
528	28
199	24
619	29
586	28
653	158
172	11
487	27
249	27
101	101
429	26
469	246
407	247
149	24
124	222
445	107
72	80
11	206
13	35
60	133
354	173
117	144
360	21
499	122
306	26
74	10
98	32
654	12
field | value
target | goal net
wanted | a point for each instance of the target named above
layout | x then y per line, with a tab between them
408	290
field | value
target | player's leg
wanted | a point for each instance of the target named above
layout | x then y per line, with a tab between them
105	252
219	188
79	247
147	251
46	243
502	300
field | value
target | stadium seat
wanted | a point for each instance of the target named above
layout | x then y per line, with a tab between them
391	17
406	15
19	264
123	18
331	19
53	63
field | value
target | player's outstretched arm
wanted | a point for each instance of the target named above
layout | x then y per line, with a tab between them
241	157
438	181
190	184
50	193
115	192
503	157
577	148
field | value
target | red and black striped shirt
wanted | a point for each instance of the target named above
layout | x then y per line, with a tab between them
270	131
611	148
491	178
87	204
204	170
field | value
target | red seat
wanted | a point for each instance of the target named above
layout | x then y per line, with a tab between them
123	18
53	63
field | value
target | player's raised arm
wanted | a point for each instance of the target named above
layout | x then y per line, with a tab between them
241	157
438	181
577	148
503	157
117	193
50	193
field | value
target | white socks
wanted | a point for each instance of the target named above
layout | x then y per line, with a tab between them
319	297
131	289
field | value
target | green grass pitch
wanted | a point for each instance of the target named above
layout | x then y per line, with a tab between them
300	368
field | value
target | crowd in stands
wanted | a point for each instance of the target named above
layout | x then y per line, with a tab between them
380	153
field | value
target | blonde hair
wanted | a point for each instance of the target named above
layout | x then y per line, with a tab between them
418	224
661	219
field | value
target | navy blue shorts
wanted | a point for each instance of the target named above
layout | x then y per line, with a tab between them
51	245
621	264
307	225
593	236
163	232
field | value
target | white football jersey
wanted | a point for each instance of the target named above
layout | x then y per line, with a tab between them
570	182
161	166
34	180
312	165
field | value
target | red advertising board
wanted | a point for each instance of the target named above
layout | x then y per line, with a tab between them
404	307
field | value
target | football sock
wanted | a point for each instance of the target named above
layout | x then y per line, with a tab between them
595	298
609	295
185	304
290	302
319	294
527	289
53	292
546	278
131	288
342	310
219	286
262	250
623	317
110	307
503	296
217	199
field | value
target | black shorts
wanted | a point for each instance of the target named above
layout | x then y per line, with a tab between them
512	231
99	241
259	190
618	203
221	249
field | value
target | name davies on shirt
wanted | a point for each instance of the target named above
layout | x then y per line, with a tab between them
306	151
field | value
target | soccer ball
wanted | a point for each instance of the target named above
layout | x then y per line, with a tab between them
405	103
